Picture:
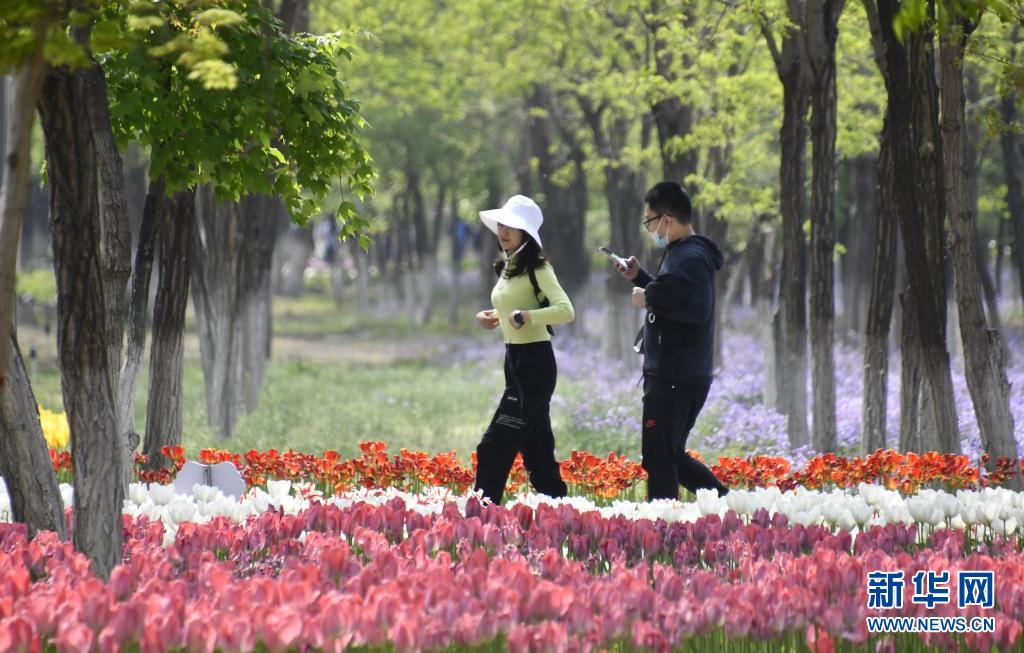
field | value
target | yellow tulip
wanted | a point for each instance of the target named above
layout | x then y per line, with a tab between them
55	428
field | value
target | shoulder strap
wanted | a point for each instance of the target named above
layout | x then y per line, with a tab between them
544	303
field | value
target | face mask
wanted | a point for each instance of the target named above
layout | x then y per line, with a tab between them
659	241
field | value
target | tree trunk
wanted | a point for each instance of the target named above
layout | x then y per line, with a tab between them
822	31
879	319
459	237
863	219
564	206
1012	173
361	259
917	161
622	191
115	243
984	361
166	359
624	196
14	195
97	448
673	119
793	373
226	299
429	276
974	158
138	303
24	461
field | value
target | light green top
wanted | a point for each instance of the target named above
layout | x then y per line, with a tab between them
517	293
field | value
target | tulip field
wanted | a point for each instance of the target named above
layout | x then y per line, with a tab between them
394	552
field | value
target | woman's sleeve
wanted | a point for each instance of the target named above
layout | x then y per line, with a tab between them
560	311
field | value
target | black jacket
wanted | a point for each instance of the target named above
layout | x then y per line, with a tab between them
679	331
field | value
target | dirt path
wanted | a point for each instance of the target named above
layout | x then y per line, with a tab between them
354	349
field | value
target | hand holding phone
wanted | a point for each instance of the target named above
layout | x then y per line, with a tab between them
618	260
629	268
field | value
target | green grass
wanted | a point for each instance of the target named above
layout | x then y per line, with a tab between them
420	404
312	407
313	402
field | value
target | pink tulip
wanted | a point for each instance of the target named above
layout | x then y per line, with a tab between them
200	635
281	629
819	640
74	638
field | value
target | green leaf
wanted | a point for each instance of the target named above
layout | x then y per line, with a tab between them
218	17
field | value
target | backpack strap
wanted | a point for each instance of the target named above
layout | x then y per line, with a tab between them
543	301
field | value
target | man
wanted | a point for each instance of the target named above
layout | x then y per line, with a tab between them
678	341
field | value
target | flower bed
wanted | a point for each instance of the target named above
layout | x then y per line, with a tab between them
433	575
392	552
608	477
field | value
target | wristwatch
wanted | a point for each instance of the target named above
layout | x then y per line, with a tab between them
517	317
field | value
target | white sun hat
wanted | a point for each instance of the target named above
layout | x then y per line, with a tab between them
519	212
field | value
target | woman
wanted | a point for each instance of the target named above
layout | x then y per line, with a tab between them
527	299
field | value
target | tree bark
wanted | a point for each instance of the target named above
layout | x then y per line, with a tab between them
793	296
234	248
917	159
564	206
216	242
24	461
166	359
17	153
821	28
459	236
861	239
975	155
984	359
115	243
138	303
97	448
673	118
1012	173
624	196
880	307
430	241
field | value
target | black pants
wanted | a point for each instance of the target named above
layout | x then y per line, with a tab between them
522	424
670	411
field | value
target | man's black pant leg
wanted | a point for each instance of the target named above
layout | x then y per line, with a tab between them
660	424
693	474
670	411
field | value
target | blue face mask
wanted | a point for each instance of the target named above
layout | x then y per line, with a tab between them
659	241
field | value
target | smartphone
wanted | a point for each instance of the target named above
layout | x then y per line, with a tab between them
618	260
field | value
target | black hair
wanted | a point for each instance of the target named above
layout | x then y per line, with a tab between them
530	257
669	198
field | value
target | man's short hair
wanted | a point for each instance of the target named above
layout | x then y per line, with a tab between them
669	197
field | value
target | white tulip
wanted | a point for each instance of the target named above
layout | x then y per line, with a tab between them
67	495
138	494
181	511
206	492
260	500
990	511
161	495
708	502
278	489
